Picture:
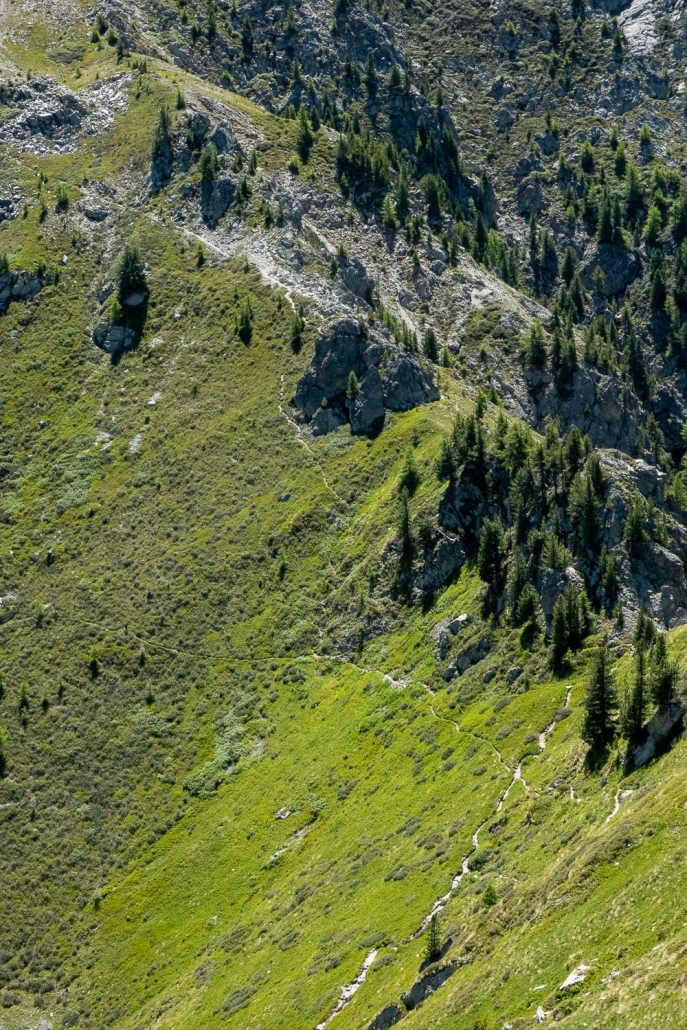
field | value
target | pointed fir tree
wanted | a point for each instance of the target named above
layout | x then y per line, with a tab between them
663	674
491	564
433	941
597	729
636	700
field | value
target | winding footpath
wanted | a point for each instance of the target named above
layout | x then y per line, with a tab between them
350	989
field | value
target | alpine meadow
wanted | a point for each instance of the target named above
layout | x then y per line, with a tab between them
343	514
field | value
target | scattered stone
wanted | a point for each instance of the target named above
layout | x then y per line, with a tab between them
513	673
489	675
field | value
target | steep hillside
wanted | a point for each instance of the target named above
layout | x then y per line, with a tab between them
343	524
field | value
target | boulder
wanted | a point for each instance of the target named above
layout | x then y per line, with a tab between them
526	165
504	118
547	143
134	300
456	625
21	286
367	408
513	673
661	727
223	139
530	197
96	213
113	338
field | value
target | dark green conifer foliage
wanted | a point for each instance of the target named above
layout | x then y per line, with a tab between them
663	673
597	729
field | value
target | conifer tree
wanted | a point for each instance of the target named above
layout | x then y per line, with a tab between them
663	674
429	345
433	943
636	701
635	535
597	729
491	564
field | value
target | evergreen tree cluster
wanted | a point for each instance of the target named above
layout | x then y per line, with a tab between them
537	506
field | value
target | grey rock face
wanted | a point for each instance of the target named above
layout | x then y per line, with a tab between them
113	338
354	275
660	728
216	198
20	286
326	420
388	377
619	266
367	409
439	566
658	584
530	197
406	383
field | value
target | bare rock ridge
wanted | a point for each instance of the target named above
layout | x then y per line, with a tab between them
386	377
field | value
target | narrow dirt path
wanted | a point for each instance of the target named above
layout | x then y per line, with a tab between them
551	726
619	794
349	990
299	439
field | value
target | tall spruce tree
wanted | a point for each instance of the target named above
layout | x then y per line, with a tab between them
597	729
491	563
636	701
663	673
433	941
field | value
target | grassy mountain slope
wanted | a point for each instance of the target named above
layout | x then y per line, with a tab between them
183	568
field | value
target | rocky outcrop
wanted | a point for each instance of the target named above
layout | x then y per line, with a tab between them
440	565
216	197
366	410
663	725
388	1017
20	286
619	266
468	657
388	378
432	979
113	338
